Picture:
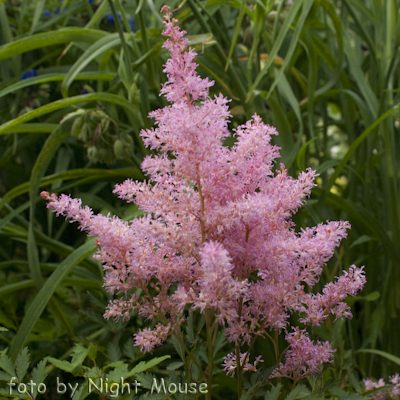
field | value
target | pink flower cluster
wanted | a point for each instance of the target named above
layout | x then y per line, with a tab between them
217	231
393	391
230	363
303	356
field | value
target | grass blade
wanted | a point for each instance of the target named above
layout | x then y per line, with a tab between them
43	297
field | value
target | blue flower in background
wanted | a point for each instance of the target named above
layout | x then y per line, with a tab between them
29	74
132	24
110	18
47	13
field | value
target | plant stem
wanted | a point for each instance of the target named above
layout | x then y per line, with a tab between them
239	372
210	350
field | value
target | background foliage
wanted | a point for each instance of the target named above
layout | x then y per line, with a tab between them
77	80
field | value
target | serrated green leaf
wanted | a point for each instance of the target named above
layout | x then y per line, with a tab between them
7	365
274	393
352	396
39	375
179	348
79	354
145	379
114	351
92	351
294	393
174	366
143	365
303	392
14	394
22	363
116	364
62	364
82	392
4	376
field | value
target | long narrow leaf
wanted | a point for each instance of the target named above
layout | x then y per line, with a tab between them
42	298
59	104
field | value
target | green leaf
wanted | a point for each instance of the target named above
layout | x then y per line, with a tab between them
51	38
59	104
143	365
370	297
356	144
179	348
39	6
62	364
274	393
54	77
43	160
362	239
14	393
79	354
113	351
96	49
39	375
4	376
352	396
293	395
381	353
294	41
42	298
289	18
97	173
236	33
14	287
22	364
7	365
175	365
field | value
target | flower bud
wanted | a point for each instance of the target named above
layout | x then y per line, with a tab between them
93	154
119	149
77	126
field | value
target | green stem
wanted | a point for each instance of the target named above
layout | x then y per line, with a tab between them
239	371
239	367
210	350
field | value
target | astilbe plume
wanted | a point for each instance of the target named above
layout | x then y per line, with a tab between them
216	234
392	390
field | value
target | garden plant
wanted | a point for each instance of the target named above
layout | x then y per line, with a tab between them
219	256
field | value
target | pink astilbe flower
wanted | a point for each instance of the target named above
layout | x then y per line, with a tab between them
230	363
217	233
392	391
304	357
